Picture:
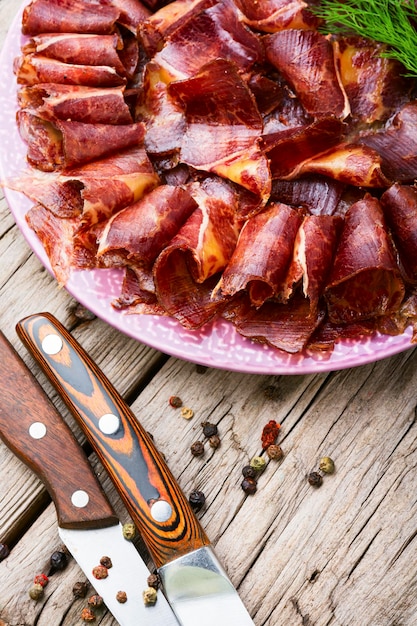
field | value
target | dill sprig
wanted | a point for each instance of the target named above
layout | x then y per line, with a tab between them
390	22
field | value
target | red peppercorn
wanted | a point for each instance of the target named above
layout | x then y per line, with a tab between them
175	402
41	579
100	572
269	434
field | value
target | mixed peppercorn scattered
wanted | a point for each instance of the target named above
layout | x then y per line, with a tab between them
257	464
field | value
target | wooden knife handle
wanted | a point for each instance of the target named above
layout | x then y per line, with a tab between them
33	429
149	491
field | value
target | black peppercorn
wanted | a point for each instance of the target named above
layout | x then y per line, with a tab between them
197	448
106	562
4	551
315	479
249	485
197	500
154	581
209	429
214	441
59	561
249	472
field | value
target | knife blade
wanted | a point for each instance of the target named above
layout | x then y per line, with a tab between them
196	585
33	429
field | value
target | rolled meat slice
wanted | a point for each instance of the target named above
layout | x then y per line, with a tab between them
306	60
137	234
117	51
32	69
68	16
93	192
187	270
262	256
62	144
399	204
365	281
270	16
91	105
314	249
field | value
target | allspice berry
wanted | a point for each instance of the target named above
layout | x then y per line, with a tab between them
197	448
274	451
327	465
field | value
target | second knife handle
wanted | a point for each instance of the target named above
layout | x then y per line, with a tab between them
149	491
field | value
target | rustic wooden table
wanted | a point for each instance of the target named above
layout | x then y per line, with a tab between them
344	554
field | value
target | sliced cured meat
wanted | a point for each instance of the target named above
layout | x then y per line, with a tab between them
223	127
163	116
186	272
373	83
138	233
397	144
57	237
137	294
271	16
365	281
91	105
75	49
399	203
349	163
68	16
289	149
305	59
264	250
157	28
212	34
287	327
94	191
32	69
317	194
62	144
314	249
132	13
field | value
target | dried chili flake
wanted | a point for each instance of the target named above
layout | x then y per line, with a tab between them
270	434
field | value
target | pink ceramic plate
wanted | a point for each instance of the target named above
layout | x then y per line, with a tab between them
216	345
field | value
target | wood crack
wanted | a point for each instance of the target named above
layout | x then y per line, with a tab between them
360	558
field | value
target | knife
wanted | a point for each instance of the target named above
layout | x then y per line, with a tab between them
33	429
194	582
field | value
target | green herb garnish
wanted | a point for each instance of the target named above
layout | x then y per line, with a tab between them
389	22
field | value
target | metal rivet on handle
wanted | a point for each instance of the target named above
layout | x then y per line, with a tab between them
80	498
109	424
52	344
161	511
37	430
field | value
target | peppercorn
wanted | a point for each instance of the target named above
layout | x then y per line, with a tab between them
36	591
258	463
41	579
274	451
175	402
201	369
83	314
105	561
95	601
209	429
4	551
327	465
129	531
59	561
249	472
187	413
214	442
197	500
121	596
150	596
249	485
315	479
79	590
153	581
87	615
197	448
100	572
269	433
